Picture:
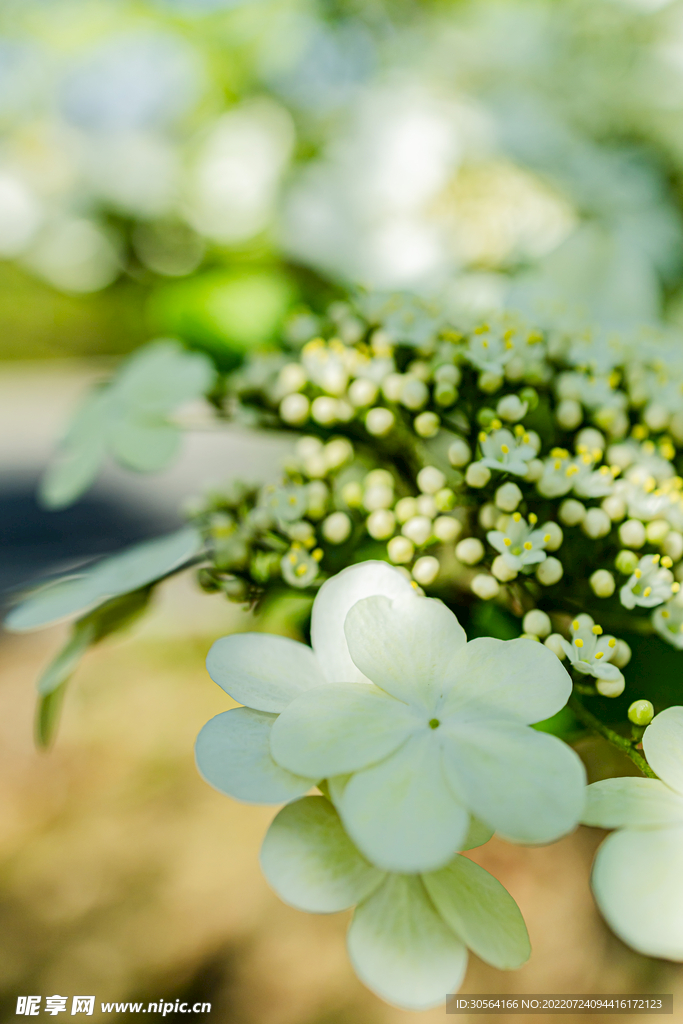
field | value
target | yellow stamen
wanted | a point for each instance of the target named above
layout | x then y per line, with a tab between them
637	574
597	630
533	518
504	449
483	436
516	516
496	424
666	562
598	655
575	624
611	642
317	554
528	546
665	614
647	591
675	587
507	542
578	641
546	538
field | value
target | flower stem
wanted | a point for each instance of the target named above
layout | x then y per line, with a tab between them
620	742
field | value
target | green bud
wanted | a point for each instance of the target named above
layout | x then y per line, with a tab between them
626	562
445	499
530	396
207	581
235	589
641	712
485	417
445	394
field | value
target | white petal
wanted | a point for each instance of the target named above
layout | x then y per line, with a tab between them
632	803
638	885
663	746
527	785
406	646
310	861
233	755
520	678
401	948
340	727
332	604
603	670
401	813
481	911
263	671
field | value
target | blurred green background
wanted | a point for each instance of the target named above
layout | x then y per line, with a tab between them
209	169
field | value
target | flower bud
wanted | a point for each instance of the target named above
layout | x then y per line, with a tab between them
549	572
324	410
378	496
294	409
485	586
477	475
602	583
426	569
641	712
614	506
362	392
381	523
590	438
534	470
470	551
554	644
572	512
656	416
317	499
418	529
596	523
445	394
336	528
379	421
656	531
610	687
391	386
502	570
673	545
569	414
337	452
632	533
426	424
537	622
292	377
508	497
405	508
622	654
414	393
552	536
400	549
426	505
626	562
308	447
430	480
488	516
445	499
489	381
511	408
446	528
352	494
459	453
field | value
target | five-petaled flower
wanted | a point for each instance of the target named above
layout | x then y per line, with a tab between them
519	543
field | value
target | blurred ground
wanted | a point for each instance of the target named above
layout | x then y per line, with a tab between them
124	875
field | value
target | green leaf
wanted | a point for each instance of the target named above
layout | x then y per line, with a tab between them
145	446
80	455
161	376
47	716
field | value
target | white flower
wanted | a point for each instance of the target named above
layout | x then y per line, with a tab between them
409	936
441	734
558	471
489	352
668	621
637	877
508	452
590	651
519	543
649	585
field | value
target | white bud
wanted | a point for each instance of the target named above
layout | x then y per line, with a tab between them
292	377
379	421
569	414
511	408
337	452
391	386
632	533
378	496
610	687
317	499
502	571
352	494
315	466
308	447
615	507
508	497
622	654
673	545
485	586
400	549
405	509
537	622
336	528
294	409
572	512
362	392
552	536
656	416
470	551
430	480
426	505
656	531
596	523
414	392
426	569
602	583
459	453
590	438
477	475
418	529
534	470
488	516
549	572
381	523
378	478
324	410
554	643
426	424
447	529
489	381
621	455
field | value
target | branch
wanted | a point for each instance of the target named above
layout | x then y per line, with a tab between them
620	742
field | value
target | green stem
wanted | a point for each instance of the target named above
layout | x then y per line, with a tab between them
620	742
